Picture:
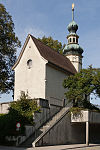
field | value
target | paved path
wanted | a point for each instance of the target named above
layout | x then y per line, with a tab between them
60	147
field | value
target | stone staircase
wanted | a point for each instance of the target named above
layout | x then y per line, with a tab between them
41	132
53	120
48	126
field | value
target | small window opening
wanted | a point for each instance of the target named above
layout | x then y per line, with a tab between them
74	40
29	63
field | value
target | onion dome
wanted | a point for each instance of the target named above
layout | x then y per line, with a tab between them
76	48
72	27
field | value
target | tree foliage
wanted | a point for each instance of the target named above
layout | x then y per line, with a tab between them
54	44
81	85
8	45
20	111
25	107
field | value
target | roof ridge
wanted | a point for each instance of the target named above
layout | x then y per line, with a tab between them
54	57
48	46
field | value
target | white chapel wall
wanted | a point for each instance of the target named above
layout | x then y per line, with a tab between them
33	79
54	88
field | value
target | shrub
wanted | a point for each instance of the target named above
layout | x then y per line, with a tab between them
20	111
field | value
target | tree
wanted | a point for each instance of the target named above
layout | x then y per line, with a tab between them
20	111
54	44
8	44
25	106
81	85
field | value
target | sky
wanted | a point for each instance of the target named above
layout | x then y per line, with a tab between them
51	18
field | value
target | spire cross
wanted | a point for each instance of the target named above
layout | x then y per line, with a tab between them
72	11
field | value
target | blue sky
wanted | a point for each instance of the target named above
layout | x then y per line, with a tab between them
51	17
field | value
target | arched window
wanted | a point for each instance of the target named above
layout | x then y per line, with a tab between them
73	40
29	63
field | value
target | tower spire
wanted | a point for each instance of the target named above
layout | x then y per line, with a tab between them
72	50
73	12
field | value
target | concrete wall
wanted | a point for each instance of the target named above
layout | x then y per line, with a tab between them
54	88
94	133
86	116
4	107
33	79
64	132
17	140
45	115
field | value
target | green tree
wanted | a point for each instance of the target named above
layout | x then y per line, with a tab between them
25	107
20	111
8	44
54	44
81	85
96	82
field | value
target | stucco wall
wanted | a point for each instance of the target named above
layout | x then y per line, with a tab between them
33	79
41	80
76	61
54	88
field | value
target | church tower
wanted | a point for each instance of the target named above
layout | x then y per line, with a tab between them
72	50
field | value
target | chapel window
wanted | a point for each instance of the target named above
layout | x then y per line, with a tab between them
29	63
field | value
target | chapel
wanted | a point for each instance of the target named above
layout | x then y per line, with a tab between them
40	70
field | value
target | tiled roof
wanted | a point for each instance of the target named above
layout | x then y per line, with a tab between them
54	57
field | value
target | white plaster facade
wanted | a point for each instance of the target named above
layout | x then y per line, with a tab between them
41	80
33	79
76	61
54	85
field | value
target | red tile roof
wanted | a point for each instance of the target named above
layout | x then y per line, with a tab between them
54	57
